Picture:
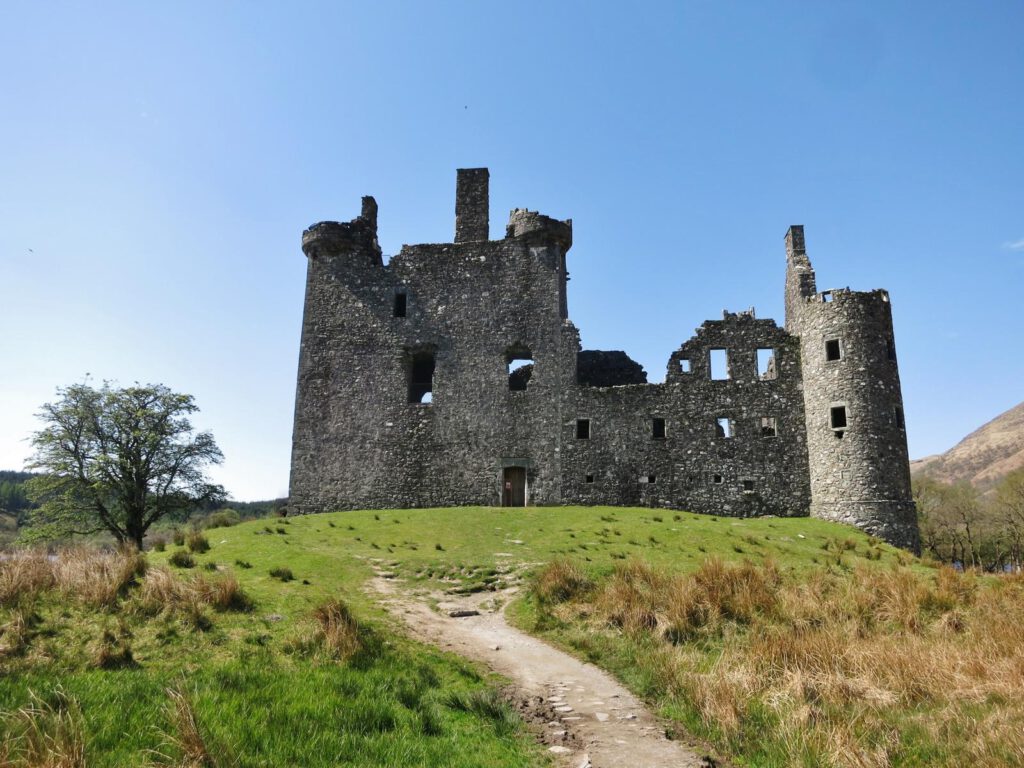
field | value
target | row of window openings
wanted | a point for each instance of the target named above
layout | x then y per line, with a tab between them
421	375
718	363
748	485
724	427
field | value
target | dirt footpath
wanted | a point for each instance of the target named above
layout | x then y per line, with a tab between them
582	713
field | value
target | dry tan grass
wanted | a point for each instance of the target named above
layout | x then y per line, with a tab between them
23	575
94	577
560	580
44	735
186	737
339	629
839	659
161	591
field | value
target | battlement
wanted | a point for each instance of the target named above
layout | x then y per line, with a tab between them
335	238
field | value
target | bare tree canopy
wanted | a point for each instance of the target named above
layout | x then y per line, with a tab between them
118	460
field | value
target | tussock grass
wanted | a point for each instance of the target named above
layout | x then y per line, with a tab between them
336	634
197	543
44	734
560	580
94	577
863	667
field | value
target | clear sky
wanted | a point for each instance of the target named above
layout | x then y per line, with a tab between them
159	162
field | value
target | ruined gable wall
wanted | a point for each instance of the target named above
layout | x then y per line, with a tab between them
622	451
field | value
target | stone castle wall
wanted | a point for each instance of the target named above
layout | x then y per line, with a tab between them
451	317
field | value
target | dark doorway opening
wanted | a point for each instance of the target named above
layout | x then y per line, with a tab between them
513	487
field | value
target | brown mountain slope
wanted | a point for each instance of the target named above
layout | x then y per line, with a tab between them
984	456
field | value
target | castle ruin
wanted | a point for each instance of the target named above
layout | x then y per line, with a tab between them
452	375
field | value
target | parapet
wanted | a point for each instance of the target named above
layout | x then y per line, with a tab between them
537	227
335	238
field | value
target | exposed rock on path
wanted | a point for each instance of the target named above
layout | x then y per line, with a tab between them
585	716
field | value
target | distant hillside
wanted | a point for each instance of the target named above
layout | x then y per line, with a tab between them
984	456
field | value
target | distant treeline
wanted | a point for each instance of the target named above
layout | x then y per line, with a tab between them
960	525
13	499
15	504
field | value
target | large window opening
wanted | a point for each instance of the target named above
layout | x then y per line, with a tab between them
723	426
837	417
719	359
519	361
684	365
833	350
658	428
582	429
766	364
421	377
768	428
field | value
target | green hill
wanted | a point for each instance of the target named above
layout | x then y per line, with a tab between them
251	644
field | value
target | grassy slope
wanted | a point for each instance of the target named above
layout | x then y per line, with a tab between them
271	708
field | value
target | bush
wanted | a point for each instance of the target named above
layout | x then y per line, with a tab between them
284	574
158	543
178	537
222	518
197	543
181	559
243	563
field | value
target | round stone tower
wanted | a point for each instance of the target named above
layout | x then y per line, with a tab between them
856	434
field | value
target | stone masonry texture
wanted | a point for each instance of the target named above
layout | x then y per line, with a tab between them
452	375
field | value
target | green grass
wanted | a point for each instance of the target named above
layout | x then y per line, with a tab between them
262	698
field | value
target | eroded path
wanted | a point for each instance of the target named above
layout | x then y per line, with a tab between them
584	715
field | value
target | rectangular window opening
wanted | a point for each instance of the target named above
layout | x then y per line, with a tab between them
723	426
719	362
833	350
768	428
582	429
590	478
898	418
766	369
401	303
748	486
651	479
684	365
837	417
826	296
421	377
890	349
658	428
716	479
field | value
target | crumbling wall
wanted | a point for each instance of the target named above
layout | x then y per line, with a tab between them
683	460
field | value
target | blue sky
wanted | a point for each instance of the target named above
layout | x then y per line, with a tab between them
160	162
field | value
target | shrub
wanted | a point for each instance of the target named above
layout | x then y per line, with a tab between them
181	559
222	518
158	543
561	580
197	543
178	537
243	563
284	574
